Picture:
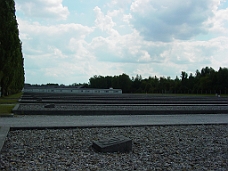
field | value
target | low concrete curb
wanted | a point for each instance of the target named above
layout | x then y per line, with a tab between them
116	112
15	107
3	133
104	126
7	115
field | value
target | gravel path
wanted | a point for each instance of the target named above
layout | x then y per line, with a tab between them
192	147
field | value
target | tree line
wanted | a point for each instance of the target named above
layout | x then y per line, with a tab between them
206	81
11	58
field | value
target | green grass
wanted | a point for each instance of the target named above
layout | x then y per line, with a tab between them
10	99
6	109
8	103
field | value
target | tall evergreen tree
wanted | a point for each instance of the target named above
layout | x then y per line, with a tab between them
11	58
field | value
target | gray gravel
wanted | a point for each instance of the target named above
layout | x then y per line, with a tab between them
119	107
192	147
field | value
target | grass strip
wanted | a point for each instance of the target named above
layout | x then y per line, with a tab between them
6	109
7	103
10	99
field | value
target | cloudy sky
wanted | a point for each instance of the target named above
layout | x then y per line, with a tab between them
69	41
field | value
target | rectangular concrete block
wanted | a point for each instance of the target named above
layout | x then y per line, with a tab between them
49	106
114	144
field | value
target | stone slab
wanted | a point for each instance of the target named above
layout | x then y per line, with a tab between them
49	106
114	144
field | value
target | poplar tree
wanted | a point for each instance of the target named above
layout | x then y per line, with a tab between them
11	57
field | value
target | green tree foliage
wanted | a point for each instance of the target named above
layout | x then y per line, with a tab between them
11	58
208	81
122	81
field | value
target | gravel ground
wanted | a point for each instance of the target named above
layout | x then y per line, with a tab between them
118	107
192	147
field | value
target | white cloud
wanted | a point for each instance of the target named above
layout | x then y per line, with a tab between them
39	36
103	22
146	37
127	18
81	50
167	20
219	22
46	9
119	4
53	51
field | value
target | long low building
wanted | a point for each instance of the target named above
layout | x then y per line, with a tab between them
68	89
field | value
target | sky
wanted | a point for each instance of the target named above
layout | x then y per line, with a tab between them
70	41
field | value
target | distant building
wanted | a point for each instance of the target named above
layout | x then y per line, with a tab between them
68	89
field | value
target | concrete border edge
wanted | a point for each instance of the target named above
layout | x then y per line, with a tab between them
3	134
